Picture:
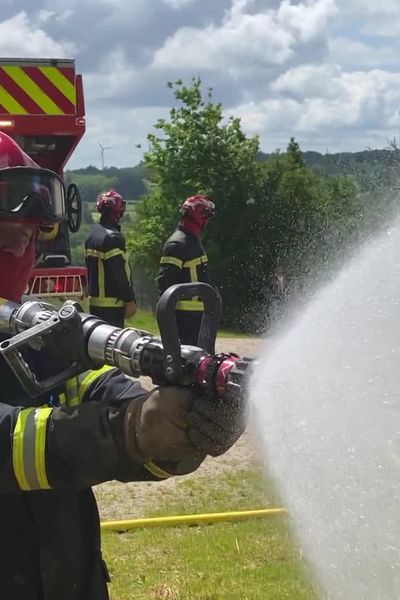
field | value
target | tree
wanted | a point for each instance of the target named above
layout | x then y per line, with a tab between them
199	151
304	221
270	215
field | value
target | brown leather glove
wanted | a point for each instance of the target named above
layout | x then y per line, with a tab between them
174	426
214	426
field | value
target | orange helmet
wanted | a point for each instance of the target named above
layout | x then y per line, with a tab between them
28	192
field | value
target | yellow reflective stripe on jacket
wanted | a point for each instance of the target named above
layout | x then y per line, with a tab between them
156	470
86	379
193	264
104	255
104	301
101	281
197	305
29	448
171	260
72	391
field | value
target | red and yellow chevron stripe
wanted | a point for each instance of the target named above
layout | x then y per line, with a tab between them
37	90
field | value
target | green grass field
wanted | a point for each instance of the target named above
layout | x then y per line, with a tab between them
147	321
254	559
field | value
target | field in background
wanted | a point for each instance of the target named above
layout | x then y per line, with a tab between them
250	560
147	321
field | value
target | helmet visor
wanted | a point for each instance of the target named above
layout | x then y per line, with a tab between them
31	193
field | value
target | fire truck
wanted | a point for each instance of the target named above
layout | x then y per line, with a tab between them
42	108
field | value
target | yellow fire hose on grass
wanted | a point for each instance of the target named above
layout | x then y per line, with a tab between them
191	519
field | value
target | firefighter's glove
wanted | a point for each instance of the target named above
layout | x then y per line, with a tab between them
156	430
215	425
176	425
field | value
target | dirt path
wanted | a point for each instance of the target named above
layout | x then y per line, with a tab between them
131	500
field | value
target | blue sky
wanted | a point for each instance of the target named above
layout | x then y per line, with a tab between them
325	71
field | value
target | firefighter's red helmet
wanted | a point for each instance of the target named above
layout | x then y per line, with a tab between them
111	203
198	208
28	192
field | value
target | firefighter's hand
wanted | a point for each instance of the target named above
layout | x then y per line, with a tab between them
130	309
157	427
215	425
177	428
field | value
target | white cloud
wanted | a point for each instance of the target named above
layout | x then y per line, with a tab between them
265	38
347	51
383	8
309	81
330	101
114	77
326	71
119	129
20	38
178	3
309	18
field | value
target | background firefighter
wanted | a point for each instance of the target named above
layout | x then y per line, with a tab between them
96	427
111	296
184	260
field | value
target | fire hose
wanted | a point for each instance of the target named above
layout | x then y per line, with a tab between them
82	341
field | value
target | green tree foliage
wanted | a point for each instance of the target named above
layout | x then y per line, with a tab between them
90	185
273	215
130	181
302	220
198	151
86	214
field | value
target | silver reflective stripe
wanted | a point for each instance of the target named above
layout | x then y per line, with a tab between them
29	448
29	454
72	391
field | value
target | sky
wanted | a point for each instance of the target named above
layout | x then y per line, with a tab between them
324	71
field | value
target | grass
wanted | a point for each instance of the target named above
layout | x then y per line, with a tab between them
147	321
249	560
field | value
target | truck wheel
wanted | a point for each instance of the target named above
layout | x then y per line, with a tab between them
74	208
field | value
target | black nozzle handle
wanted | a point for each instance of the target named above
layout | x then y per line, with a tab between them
168	328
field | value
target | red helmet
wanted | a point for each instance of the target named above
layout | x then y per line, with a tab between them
111	203
198	208
28	192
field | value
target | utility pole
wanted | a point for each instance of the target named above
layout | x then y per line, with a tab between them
102	150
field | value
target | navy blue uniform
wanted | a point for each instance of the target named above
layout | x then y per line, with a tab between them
108	282
184	260
49	459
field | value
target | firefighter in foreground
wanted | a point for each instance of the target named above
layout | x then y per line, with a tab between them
184	260
99	426
111	296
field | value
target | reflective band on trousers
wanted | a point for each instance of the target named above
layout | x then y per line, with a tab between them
29	448
106	302
196	305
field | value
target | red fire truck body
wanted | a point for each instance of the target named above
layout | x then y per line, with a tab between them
42	108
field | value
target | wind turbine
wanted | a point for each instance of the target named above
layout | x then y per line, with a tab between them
102	150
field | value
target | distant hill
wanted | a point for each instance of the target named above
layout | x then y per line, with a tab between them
130	182
373	170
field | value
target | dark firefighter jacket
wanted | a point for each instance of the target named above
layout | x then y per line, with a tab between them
49	457
108	282
183	260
